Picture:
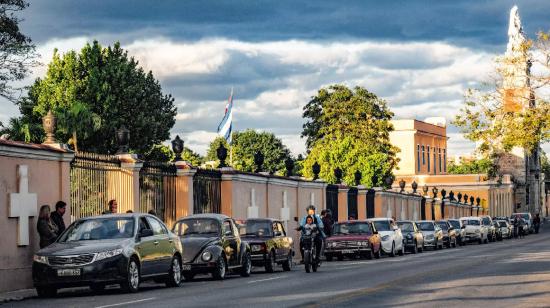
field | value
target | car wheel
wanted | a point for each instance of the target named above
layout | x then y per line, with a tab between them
221	269
131	284
287	265
246	267
174	274
188	276
392	253
328	257
45	292
370	254
97	287
270	263
415	248
402	251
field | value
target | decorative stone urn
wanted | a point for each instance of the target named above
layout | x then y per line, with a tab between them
316	169
49	123
177	147
221	153
123	140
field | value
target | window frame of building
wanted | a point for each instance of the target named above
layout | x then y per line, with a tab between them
428	152
439	154
435	162
445	160
418	157
423	156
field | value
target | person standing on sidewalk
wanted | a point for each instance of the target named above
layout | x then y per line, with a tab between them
57	216
113	207
47	230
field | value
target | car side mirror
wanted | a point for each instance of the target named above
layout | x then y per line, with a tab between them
145	233
228	233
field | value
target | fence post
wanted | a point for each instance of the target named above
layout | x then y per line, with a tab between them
362	202
343	203
130	166
184	189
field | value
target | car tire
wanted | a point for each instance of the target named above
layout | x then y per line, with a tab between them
131	283
392	253
174	274
328	258
221	269
246	267
46	292
287	264
402	251
270	263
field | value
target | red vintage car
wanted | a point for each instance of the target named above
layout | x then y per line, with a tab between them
354	238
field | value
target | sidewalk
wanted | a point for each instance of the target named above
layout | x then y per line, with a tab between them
18	295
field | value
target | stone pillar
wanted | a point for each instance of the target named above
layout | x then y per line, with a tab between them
403	207
343	203
131	166
184	189
362	203
253	210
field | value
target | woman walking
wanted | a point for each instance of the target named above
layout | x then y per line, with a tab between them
46	228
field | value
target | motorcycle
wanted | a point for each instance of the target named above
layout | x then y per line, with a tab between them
310	253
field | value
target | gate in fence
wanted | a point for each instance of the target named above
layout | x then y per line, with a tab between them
370	203
91	178
157	190
352	203
332	200
207	189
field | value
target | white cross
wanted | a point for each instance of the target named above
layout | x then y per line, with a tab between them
23	206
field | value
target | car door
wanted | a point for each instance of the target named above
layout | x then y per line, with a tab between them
286	245
163	247
146	248
418	235
229	243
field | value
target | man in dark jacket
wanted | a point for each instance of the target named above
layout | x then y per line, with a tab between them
326	216
57	216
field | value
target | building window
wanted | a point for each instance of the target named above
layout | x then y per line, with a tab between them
439	155
435	163
423	157
428	158
418	157
445	160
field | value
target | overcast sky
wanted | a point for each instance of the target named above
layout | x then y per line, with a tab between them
418	55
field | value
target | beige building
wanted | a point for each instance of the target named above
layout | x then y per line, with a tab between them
423	146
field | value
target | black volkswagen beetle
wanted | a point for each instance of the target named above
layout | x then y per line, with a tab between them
211	244
120	248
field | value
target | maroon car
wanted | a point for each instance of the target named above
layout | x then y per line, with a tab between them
355	238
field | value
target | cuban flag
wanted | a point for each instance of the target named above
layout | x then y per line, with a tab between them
226	125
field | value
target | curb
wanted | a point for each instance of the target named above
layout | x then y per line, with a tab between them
15	296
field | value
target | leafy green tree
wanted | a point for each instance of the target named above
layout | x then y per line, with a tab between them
484	165
163	153
111	90
247	143
17	53
349	129
194	158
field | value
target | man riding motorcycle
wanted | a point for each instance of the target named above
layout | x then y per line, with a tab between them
320	235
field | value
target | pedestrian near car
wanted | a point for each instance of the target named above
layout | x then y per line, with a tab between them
47	230
57	216
327	222
536	223
113	207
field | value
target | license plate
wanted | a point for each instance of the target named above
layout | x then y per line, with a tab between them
186	267
68	272
348	251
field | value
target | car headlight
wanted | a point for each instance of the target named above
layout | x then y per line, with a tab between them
331	244
256	248
206	256
40	259
108	254
365	243
385	237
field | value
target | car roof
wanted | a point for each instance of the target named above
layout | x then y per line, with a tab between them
261	219
380	219
403	221
425	221
470	217
351	221
121	215
219	217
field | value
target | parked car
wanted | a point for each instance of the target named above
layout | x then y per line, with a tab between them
475	230
390	234
528	228
433	236
352	239
269	244
491	231
498	231
212	245
95	251
506	229
412	236
449	234
460	232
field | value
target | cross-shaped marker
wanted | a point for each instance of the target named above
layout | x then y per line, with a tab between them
23	206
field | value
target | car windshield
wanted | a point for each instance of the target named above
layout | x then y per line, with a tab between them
383	225
426	226
197	227
256	228
502	224
406	226
443	225
352	228
486	221
471	222
455	224
99	229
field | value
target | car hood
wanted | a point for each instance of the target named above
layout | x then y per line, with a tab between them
193	245
470	228
428	233
83	247
255	239
384	233
354	237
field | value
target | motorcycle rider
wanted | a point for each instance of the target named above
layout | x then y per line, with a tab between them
320	235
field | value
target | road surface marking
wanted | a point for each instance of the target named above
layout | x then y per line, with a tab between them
127	303
268	279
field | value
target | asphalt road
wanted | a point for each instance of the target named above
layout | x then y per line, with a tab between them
512	273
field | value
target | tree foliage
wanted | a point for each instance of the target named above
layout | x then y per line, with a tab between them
106	89
477	166
17	53
163	153
485	118
246	143
349	129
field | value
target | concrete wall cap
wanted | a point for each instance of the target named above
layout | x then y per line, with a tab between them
36	153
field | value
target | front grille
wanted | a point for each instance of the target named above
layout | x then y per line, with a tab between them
71	260
344	244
